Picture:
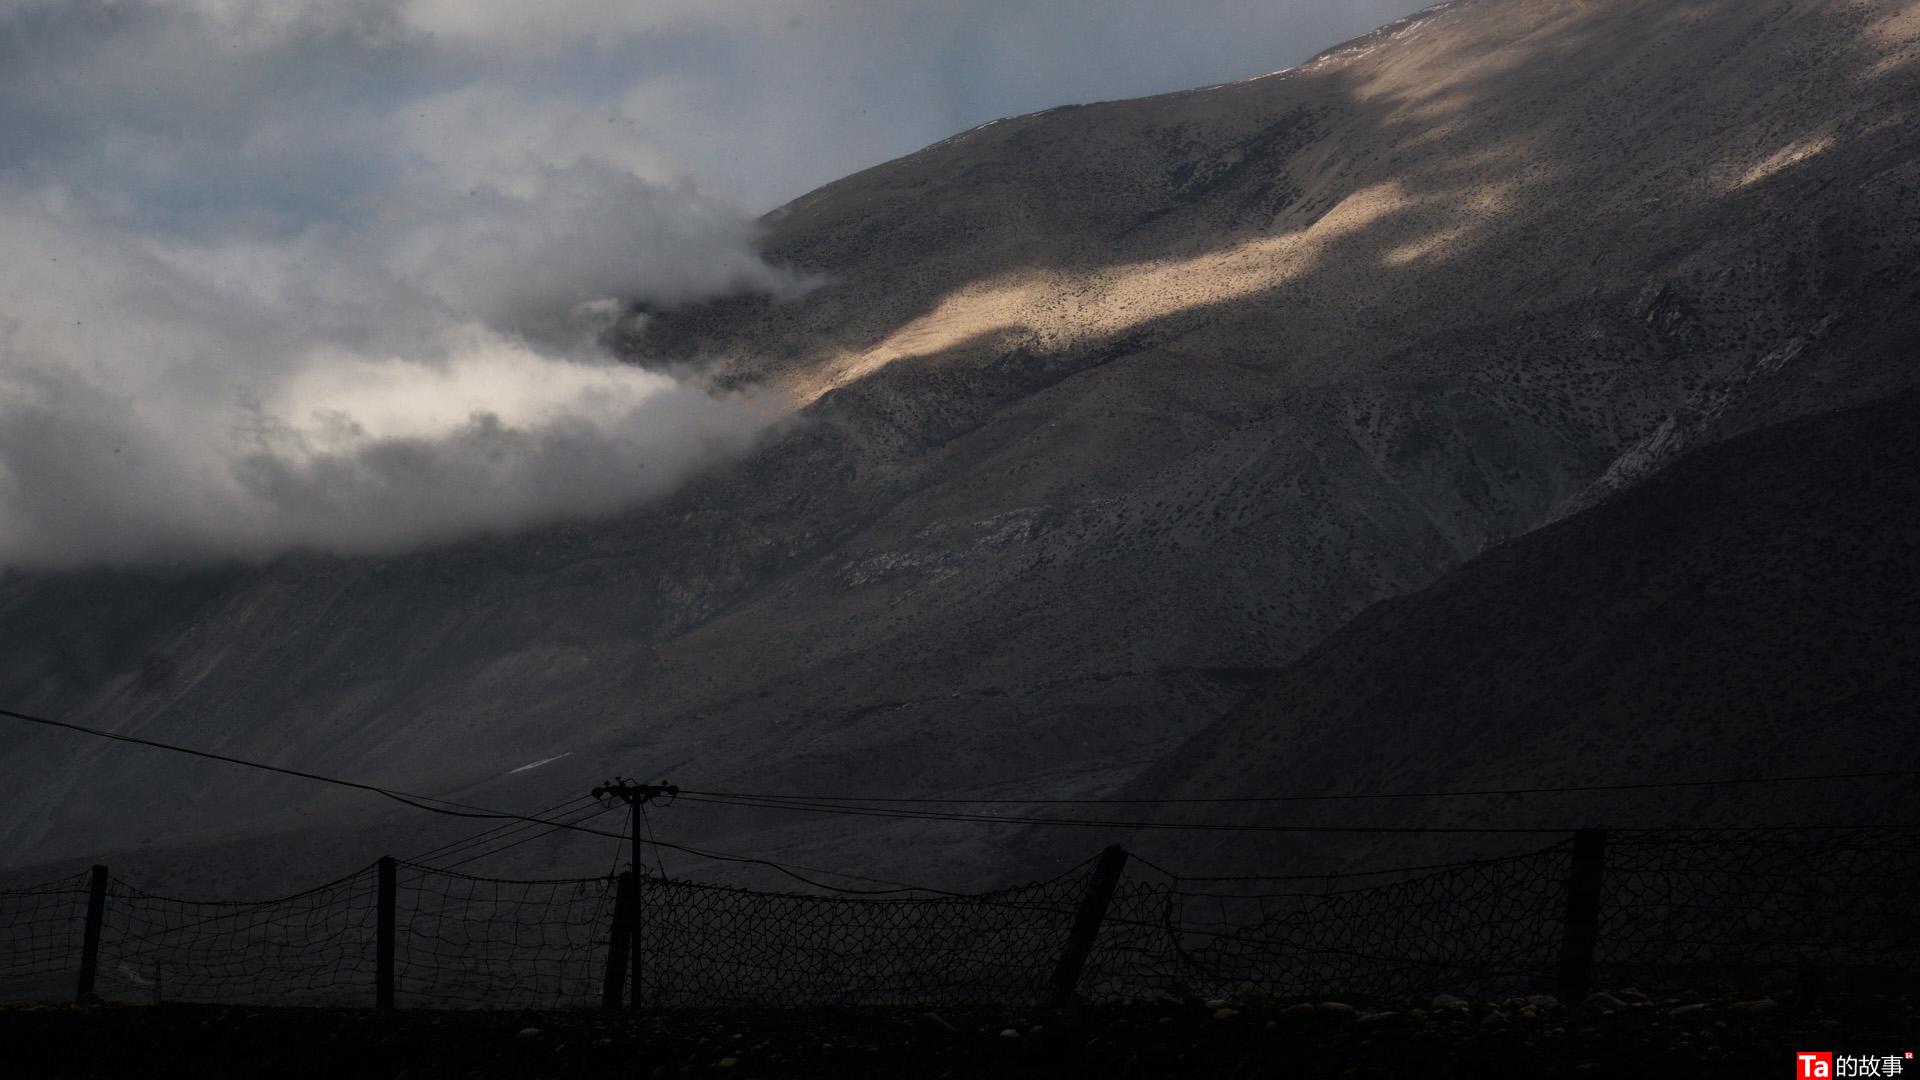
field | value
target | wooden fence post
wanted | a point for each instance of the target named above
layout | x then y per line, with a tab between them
634	915
1583	914
383	934
619	943
1086	924
90	940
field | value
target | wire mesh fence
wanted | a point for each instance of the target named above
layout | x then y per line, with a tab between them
1693	909
708	945
1476	927
43	928
314	947
1760	906
474	941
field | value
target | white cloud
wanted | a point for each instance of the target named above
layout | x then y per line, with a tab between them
165	403
423	371
327	273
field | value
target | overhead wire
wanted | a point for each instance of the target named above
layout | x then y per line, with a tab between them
581	816
791	870
1177	826
407	797
496	832
614	870
1101	823
466	811
653	840
840	805
1341	797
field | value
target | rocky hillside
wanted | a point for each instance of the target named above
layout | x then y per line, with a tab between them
1748	612
1096	412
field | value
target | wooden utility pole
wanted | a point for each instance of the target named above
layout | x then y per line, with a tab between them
1583	914
636	796
383	933
619	943
90	939
1086	925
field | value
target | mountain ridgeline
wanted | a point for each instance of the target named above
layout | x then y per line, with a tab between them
1099	413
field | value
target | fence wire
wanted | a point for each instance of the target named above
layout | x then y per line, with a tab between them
1760	907
311	948
1696	910
474	941
1476	927
710	945
43	927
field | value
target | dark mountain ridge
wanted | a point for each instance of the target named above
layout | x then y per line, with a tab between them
1749	612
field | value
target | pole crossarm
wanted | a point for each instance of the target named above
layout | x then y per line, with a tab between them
629	792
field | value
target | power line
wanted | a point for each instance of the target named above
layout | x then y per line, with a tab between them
1023	819
497	832
480	812
585	815
406	797
1243	799
466	811
789	869
654	840
1175	826
827	807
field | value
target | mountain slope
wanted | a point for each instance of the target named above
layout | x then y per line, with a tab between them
1749	612
1097	409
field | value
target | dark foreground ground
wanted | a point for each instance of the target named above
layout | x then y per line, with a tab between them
1618	1037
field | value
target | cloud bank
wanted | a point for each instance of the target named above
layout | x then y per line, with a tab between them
328	274
277	318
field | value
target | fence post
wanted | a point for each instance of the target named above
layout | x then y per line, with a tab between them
383	934
1086	924
634	935
619	944
90	941
1583	914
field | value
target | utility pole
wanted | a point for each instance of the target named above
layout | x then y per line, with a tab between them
636	797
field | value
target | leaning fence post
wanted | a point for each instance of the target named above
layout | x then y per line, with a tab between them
1086	924
1583	914
618	944
90	942
634	928
383	934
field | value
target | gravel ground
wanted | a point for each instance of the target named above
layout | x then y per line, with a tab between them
1608	1035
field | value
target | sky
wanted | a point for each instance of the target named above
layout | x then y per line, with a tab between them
329	275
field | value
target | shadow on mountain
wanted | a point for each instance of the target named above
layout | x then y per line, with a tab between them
1745	614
